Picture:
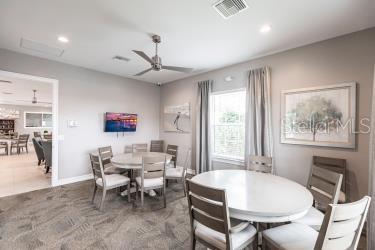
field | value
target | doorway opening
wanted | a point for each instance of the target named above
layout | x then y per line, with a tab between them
28	133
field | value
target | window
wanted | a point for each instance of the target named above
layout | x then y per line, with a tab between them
38	120
228	125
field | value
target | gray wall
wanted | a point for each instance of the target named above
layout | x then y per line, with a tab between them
19	124
343	59
85	95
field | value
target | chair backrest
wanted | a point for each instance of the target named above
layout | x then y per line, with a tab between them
105	154
260	164
208	206
47	151
38	148
324	186
334	164
47	136
128	149
173	150
37	134
153	167
97	168
157	146
139	147
342	225
23	139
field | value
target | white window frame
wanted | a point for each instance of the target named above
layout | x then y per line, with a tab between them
34	112
218	157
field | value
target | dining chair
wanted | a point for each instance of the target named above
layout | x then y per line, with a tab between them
38	149
47	136
260	164
173	150
37	135
20	143
152	176
341	230
106	182
157	146
325	187
139	147
336	165
128	149
47	152
4	145
179	173
106	154
210	223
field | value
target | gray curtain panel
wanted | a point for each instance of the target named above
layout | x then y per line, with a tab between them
259	139
203	161
371	216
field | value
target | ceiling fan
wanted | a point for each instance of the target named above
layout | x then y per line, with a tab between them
155	61
34	100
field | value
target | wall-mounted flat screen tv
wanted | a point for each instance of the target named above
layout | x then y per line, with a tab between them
120	122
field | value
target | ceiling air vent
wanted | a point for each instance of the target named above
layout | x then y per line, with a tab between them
228	8
121	58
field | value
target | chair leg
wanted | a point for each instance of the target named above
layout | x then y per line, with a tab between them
164	197
102	201
142	197
129	192
255	242
136	191
93	194
183	185
193	241
264	244
39	161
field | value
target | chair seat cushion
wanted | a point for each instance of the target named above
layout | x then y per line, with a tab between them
114	170
153	182
313	218
113	180
294	236
174	172
217	239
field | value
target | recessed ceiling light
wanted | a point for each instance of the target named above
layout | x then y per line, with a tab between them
265	29
63	39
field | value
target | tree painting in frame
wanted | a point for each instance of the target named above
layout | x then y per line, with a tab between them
177	118
319	116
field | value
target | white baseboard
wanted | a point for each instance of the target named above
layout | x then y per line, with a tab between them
75	179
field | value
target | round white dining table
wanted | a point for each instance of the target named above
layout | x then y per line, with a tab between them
134	160
259	197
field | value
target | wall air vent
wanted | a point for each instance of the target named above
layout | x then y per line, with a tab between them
121	58
228	8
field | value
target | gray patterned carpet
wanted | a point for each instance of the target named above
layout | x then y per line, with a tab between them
64	218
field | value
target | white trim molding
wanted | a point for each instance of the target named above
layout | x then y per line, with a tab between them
75	179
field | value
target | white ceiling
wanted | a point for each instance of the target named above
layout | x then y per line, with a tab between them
193	34
22	92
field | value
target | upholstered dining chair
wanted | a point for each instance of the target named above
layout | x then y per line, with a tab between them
38	135
341	230
47	152
20	143
139	147
38	150
210	223
152	176
157	146
4	145
106	154
178	173
106	182
260	164
173	150
325	187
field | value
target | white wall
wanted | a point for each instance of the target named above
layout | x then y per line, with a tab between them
85	95
19	124
344	59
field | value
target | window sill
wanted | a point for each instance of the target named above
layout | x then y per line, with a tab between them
231	161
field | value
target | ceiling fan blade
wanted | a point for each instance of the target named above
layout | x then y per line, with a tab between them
179	69
144	56
143	72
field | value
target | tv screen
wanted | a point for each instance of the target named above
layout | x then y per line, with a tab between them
120	122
